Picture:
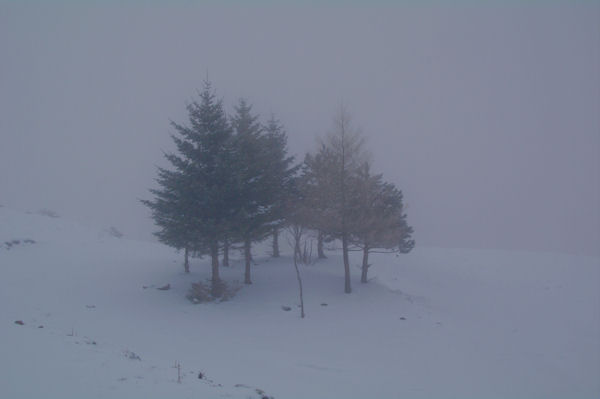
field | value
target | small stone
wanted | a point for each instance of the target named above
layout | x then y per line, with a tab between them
19	322
164	287
286	308
40	326
403	318
131	355
323	304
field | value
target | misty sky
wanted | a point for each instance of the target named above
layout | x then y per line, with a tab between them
486	116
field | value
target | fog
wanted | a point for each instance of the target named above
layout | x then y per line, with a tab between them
486	116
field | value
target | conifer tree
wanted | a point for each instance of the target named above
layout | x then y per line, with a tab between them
171	211
281	174
319	187
379	219
262	172
249	167
197	199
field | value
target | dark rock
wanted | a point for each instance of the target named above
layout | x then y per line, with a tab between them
164	287
403	318
19	322
40	326
262	394
323	304
131	355
286	308
200	375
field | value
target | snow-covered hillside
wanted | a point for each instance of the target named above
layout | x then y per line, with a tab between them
434	323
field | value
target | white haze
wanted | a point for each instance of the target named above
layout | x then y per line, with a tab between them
486	116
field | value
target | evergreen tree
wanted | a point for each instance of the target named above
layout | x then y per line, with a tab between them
171	211
318	184
379	219
281	173
297	214
249	168
263	172
197	199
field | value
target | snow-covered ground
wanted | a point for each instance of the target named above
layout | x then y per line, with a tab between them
443	323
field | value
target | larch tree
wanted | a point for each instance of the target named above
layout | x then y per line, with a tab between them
345	149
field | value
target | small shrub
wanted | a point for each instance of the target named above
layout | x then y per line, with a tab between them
114	232
48	212
131	355
202	292
11	243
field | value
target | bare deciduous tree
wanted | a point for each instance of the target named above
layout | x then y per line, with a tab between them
346	149
298	235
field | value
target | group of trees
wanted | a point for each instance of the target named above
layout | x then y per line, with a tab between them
226	184
231	182
342	200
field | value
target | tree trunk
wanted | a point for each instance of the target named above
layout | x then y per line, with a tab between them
300	287
186	263
275	242
347	286
226	253
365	264
305	254
248	259
297	252
215	279
320	239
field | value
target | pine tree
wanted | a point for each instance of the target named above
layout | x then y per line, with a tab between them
319	188
197	199
249	168
281	173
263	172
297	213
171	211
379	219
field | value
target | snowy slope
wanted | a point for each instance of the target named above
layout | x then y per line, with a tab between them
435	323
